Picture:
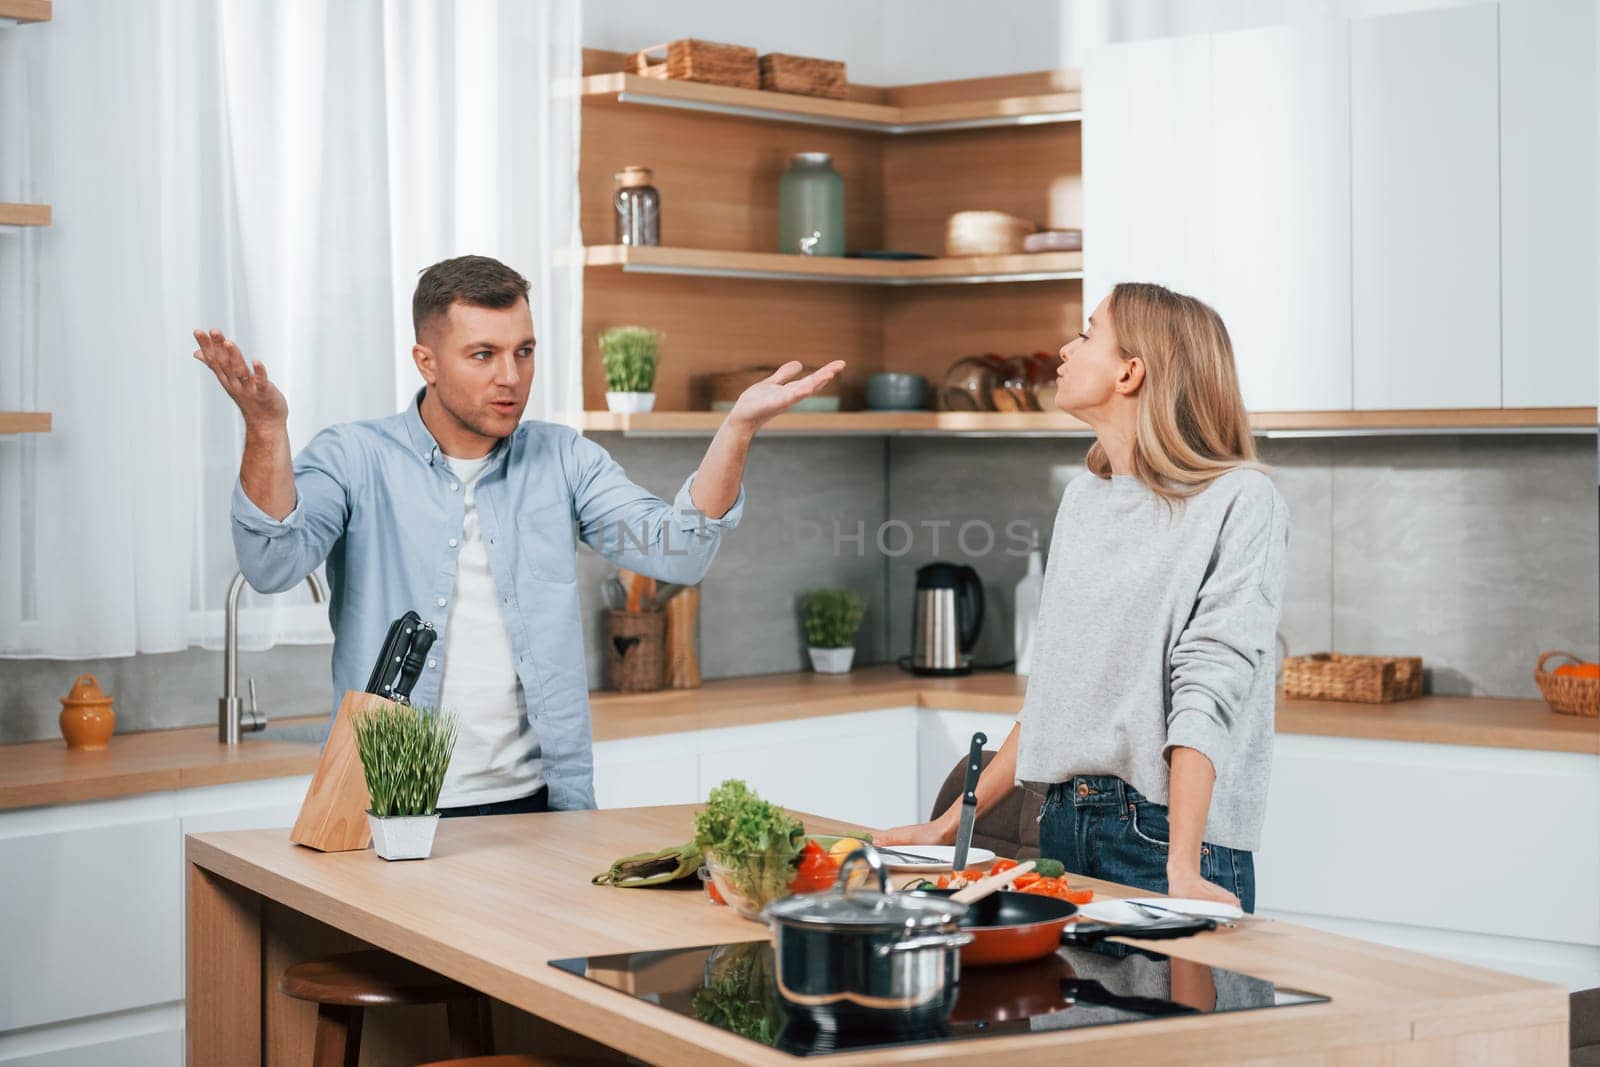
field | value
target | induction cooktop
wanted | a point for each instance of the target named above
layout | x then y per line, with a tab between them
731	987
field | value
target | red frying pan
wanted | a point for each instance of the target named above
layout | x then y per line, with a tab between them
1013	927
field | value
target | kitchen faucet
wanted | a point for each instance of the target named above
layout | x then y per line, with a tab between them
230	707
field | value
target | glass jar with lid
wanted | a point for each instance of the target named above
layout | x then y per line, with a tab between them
811	207
638	207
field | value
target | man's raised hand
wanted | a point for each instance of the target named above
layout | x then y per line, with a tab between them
259	400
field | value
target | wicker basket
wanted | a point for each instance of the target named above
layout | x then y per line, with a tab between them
635	657
1566	694
700	61
1364	679
800	74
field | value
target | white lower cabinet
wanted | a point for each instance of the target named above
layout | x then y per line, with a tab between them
859	768
640	771
1485	855
91	917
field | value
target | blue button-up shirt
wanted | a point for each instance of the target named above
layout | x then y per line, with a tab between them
379	502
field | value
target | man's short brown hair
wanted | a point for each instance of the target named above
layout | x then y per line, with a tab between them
476	280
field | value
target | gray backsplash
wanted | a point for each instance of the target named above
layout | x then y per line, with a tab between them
1474	552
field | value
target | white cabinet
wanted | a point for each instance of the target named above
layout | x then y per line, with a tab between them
91	918
1217	165
1147	150
1425	209
859	769
92	921
1281	205
640	771
1482	854
1550	344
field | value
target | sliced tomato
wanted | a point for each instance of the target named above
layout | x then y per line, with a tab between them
1079	896
1023	881
1000	866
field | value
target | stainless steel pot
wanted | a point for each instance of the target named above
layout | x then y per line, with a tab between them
853	959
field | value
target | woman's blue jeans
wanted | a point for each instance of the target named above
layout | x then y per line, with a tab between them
1101	827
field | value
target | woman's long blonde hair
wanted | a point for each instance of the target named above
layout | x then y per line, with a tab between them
1192	424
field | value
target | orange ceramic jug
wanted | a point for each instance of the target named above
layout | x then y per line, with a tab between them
86	715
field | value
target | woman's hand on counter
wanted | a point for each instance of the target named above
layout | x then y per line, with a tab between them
922	833
1188	885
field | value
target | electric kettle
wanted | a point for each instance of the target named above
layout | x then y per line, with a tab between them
947	614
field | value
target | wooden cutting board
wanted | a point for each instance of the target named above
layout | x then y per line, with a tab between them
683	662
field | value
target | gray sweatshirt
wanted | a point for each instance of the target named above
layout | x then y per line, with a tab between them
1156	630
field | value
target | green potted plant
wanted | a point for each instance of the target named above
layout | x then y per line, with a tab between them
404	753
628	357
832	618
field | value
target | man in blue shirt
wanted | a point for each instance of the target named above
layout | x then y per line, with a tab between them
459	510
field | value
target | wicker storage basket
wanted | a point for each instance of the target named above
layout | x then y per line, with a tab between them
1565	693
801	74
700	61
985	233
1364	679
635	643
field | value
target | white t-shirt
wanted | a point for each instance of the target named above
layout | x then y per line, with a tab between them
497	753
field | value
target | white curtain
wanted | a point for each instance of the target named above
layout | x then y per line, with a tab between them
281	171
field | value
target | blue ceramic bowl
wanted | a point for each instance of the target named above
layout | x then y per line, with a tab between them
897	392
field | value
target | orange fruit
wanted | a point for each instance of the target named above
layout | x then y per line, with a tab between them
1578	670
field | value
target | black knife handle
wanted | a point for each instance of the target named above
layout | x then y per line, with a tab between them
387	663
969	794
415	655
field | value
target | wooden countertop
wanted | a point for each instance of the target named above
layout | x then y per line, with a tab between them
47	772
1485	721
503	896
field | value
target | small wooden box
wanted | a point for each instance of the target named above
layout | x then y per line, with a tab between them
700	61
801	74
1364	679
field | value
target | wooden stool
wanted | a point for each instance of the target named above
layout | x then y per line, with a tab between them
344	985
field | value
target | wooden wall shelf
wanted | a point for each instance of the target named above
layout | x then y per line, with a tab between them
24	422
25	10
775	266
1055	423
24	214
1028	109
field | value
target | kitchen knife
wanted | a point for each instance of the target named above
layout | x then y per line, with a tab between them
416	654
969	802
400	659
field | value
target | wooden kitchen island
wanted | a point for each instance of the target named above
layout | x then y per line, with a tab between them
502	896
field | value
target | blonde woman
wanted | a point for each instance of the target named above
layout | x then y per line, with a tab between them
1151	704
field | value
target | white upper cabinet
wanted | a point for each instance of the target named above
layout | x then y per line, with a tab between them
1281	196
1147	150
1425	209
1216	165
1548	181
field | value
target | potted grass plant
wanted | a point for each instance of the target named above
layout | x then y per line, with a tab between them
404	753
628	358
832	617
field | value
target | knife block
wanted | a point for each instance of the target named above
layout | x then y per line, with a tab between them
333	816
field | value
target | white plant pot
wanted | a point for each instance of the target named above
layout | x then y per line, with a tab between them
403	837
832	660
630	403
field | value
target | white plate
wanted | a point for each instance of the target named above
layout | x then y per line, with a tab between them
939	855
1119	911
